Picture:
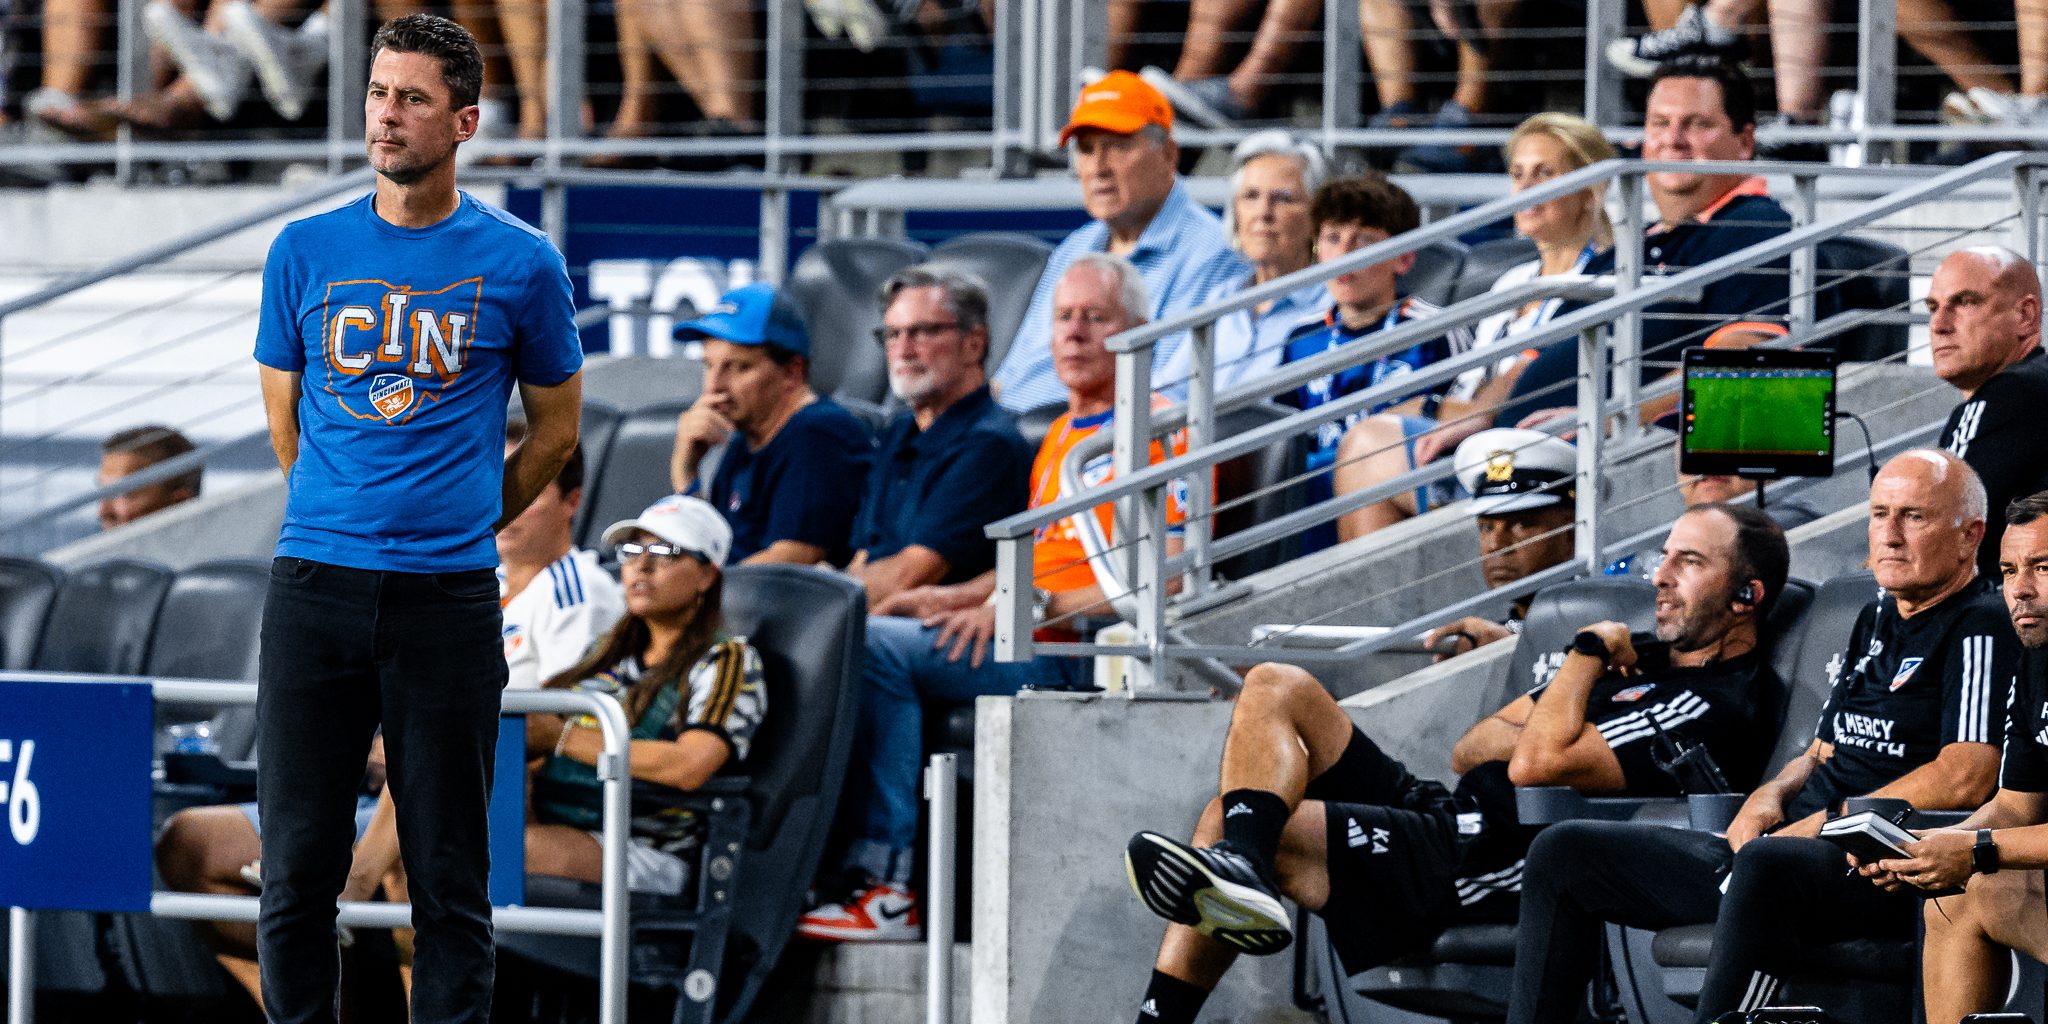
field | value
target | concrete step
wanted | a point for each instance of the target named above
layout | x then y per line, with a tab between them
858	983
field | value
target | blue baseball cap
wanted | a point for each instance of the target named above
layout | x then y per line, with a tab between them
753	315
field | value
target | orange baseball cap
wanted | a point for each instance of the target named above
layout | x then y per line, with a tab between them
1119	102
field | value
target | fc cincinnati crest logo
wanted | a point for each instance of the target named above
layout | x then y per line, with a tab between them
1905	672
391	394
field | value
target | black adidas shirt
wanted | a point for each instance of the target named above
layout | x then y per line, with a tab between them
2025	767
1905	688
1999	432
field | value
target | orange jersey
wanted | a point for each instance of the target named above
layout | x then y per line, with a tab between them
1058	561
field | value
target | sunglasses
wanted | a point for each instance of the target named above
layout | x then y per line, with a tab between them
663	554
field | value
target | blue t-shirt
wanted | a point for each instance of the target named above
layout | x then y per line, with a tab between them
938	487
1326	331
803	485
409	340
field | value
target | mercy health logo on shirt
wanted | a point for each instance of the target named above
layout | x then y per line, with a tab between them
411	342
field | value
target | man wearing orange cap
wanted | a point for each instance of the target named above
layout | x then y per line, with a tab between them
1120	141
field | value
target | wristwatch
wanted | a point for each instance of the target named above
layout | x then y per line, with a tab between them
1041	602
1589	643
1984	855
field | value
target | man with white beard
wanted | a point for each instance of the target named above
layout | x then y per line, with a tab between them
951	462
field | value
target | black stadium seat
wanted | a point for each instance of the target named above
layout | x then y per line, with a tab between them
1487	261
1863	273
210	621
1256	476
1435	272
632	473
102	618
834	284
809	626
27	588
1010	265
600	422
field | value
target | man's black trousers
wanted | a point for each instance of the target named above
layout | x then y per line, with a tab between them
1785	895
343	651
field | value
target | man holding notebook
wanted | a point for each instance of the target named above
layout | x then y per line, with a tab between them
1911	714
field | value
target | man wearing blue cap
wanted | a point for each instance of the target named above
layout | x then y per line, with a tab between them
790	480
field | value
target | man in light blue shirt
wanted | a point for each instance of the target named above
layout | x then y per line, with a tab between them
1121	144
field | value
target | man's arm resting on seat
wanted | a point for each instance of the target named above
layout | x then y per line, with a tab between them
553	418
786	552
1493	737
1558	747
281	409
1765	808
914	566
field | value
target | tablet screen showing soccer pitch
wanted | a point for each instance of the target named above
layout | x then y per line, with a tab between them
1760	413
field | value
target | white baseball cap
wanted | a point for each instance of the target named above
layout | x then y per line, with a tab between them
688	523
1508	469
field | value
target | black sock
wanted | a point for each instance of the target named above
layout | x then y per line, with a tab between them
1252	821
1169	1000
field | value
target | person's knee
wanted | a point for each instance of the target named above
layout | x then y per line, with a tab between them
1271	686
1559	849
181	852
1371	436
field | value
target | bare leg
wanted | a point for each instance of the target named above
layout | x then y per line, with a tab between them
636	81
1389	27
1283	28
1964	966
2033	28
525	27
1123	28
563	852
71	33
1475	56
709	45
1205	52
203	850
1664	13
1799	50
1373	452
1928	26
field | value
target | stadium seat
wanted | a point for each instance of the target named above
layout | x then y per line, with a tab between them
27	587
809	626
1863	273
1487	261
210	621
632	472
834	285
600	421
1010	265
101	619
1034	424
1257	477
1435	273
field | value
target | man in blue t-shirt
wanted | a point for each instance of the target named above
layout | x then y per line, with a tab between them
952	462
789	481
391	334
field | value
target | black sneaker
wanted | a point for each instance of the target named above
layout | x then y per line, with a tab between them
1692	36
1217	891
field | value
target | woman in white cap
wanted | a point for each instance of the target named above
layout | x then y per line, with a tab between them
694	696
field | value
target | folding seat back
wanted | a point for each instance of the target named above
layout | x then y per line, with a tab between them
1559	611
27	589
632	473
600	422
1249	488
834	284
1487	261
1435	273
102	617
210	622
1010	264
1863	273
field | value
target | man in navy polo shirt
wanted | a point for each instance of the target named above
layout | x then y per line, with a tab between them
1698	109
789	481
952	462
391	333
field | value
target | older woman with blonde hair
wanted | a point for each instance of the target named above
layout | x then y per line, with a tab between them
1568	231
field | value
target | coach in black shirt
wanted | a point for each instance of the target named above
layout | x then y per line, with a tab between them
1912	714
1985	327
1998	852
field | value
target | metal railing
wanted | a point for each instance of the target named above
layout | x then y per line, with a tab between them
609	923
1137	564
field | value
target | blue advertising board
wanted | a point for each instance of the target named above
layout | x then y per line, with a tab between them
75	767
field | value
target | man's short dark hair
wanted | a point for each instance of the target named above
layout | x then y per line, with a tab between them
1760	550
782	357
571	476
430	35
154	443
1738	94
1368	199
2025	510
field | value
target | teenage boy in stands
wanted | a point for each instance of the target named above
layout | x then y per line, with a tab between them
1524	495
1120	142
790	479
1997	853
952	461
557	600
1912	714
1312	810
942	654
1350	214
1984	324
1698	109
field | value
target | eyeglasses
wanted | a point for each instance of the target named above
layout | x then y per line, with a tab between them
663	554
916	334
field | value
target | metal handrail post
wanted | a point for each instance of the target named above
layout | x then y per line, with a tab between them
1149	670
21	966
941	780
565	111
131	65
782	111
1131	430
1807	193
1628	328
1342	53
1592	437
1606	20
1201	430
1877	63
1013	78
2027	180
347	72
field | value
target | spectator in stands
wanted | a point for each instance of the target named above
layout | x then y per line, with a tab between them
711	48
131	451
1911	714
1120	139
950	463
240	40
1204	86
1524	495
1310	808
694	694
1698	110
790	479
72	42
941	654
557	601
1996	854
1350	214
1273	175
1984	307
1570	232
